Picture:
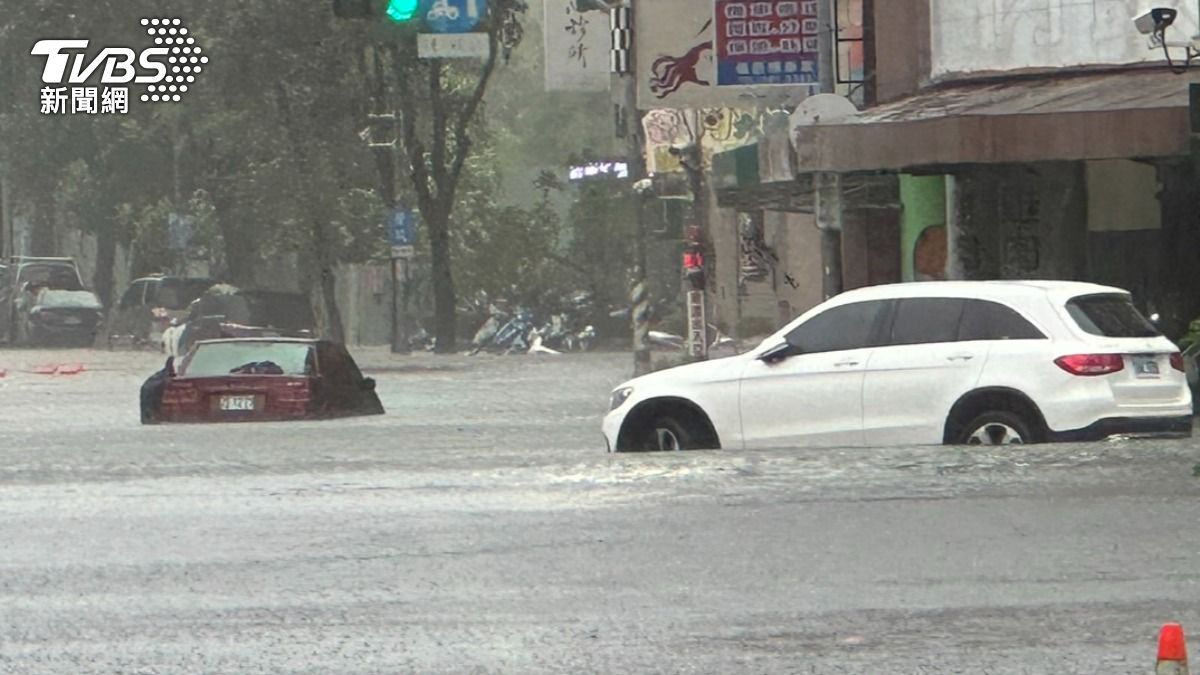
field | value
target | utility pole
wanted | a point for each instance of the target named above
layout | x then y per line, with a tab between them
6	226
628	122
385	163
628	126
828	186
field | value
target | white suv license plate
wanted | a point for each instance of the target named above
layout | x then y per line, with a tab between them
237	403
1145	366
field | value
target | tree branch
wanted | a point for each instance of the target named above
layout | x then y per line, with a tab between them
462	142
418	171
437	106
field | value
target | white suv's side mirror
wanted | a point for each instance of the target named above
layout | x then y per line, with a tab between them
777	353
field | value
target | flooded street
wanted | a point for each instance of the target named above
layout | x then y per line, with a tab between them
479	526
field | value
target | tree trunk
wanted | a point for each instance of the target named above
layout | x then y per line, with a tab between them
333	317
240	252
444	301
42	240
106	258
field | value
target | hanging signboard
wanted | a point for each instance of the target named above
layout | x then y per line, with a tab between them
766	42
452	46
714	53
576	47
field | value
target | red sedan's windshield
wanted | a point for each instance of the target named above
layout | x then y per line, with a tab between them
217	359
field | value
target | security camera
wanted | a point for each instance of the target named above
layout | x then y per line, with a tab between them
1155	20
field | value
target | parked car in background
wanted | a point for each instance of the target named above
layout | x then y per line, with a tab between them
147	308
225	311
960	362
259	379
56	317
24	277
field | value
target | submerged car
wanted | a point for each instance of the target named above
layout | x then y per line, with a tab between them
59	317
970	362
258	379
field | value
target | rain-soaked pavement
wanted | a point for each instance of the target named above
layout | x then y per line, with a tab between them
479	527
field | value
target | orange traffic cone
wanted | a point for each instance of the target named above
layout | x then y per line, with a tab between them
1172	651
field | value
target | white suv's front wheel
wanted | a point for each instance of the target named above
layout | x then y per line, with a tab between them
996	427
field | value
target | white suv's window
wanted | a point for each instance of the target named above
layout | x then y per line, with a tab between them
1110	315
987	320
845	327
926	320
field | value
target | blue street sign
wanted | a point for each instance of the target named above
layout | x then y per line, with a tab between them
401	227
179	231
453	16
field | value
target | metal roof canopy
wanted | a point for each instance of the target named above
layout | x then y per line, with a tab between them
861	191
1110	114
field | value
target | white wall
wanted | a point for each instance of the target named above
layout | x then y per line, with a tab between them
976	36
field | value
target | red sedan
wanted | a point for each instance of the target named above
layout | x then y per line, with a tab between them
255	379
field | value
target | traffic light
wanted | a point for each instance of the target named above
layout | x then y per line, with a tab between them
400	11
396	11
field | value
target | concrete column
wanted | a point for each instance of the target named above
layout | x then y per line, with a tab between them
828	187
828	201
954	265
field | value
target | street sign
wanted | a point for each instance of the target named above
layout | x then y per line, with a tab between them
455	16
697	327
179	231
404	252
452	46
401	227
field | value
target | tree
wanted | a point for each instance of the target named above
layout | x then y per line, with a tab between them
436	149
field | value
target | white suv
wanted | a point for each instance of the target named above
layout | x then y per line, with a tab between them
962	362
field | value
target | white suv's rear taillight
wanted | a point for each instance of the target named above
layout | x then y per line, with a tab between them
1177	362
1091	364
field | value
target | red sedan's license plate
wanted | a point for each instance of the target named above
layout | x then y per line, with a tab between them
237	403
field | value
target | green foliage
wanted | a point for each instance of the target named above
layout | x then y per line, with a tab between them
1192	335
600	239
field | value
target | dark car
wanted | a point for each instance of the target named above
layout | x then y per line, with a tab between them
225	311
259	379
147	308
23	278
60	318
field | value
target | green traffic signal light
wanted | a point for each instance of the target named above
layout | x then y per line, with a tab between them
400	11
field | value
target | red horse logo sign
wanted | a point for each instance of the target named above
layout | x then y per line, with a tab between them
669	73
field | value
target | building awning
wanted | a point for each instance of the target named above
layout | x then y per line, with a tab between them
1127	113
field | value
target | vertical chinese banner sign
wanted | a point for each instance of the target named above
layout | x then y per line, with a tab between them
766	42
576	46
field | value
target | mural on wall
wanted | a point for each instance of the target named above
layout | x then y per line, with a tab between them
678	64
972	36
719	129
757	260
576	47
929	254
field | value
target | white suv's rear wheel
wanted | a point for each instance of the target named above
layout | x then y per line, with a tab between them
997	427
